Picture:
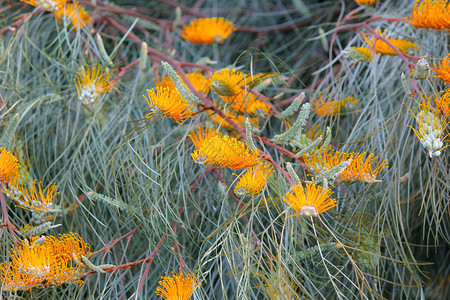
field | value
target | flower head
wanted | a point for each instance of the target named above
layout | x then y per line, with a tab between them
227	82
238	119
431	14
430	128
169	103
47	5
311	201
254	180
366	2
442	70
443	103
198	80
225	152
208	30
382	47
74	14
91	82
9	166
177	287
358	54
245	102
357	169
199	136
334	107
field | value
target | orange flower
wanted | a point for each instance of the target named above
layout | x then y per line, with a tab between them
74	14
443	103
199	137
180	287
198	80
431	14
246	102
254	180
359	169
310	202
227	82
48	5
238	119
208	30
91	82
366	2
168	103
442	70
225	152
383	48
334	107
9	166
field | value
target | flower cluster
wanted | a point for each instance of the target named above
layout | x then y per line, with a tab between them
382	47
208	30
311	201
91	82
9	166
169	103
197	79
431	14
177	287
442	70
334	107
254	180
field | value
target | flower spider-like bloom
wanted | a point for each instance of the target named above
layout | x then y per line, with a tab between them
254	180
311	201
225	152
208	30
357	169
443	103
382	47
199	136
245	102
431	14
44	262
177	287
430	128
92	82
358	54
334	107
198	80
366	2
238	119
169	103
74	14
227	82
9	166
47	5
442	70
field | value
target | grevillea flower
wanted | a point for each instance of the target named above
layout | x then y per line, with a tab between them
254	180
177	287
430	128
168	103
74	14
358	54
442	70
201	134
358	169
366	2
91	82
44	262
227	82
334	107
311	201
34	198
197	79
225	152
431	14
443	103
238	119
9	166
247	103
381	47
48	5
208	30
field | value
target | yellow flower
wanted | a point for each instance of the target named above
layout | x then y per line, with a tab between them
430	128
334	107
254	180
48	5
9	166
227	82
246	102
442	70
359	54
199	136
198	80
381	47
180	287
431	14
34	198
168	103
208	30
91	82
310	202
238	119
366	2
225	152
44	262
443	103
74	14
359	169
